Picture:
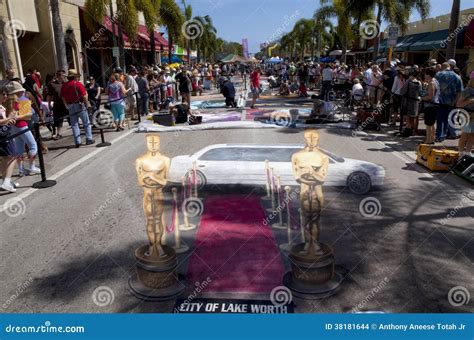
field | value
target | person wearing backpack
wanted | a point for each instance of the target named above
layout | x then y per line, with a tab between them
74	96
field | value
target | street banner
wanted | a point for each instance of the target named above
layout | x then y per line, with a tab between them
245	47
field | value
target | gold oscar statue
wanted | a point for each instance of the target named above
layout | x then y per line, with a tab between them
156	277
312	272
152	169
310	168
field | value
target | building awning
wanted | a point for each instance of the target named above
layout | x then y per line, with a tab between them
103	37
434	40
406	41
469	35
159	39
383	45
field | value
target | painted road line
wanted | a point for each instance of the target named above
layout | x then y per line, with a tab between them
67	169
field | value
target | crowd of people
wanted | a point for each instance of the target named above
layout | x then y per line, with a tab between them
62	96
401	93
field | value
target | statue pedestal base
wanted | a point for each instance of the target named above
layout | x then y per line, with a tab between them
156	278
312	277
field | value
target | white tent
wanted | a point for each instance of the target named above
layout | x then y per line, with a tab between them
339	52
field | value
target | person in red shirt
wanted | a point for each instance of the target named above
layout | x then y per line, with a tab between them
255	85
74	96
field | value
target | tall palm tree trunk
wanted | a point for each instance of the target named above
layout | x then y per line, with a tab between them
58	36
170	48
377	38
453	24
152	47
344	50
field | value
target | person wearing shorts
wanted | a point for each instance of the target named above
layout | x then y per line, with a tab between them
255	85
116	92
431	100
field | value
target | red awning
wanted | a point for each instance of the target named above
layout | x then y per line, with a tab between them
159	39
469	35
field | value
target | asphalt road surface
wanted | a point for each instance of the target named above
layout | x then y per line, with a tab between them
64	242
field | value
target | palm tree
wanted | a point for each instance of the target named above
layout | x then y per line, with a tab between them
188	15
324	29
206	40
303	32
453	24
58	36
172	18
288	43
397	13
338	10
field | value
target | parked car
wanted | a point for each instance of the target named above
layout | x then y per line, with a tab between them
245	164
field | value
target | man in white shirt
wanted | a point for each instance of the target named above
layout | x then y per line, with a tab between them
328	76
357	90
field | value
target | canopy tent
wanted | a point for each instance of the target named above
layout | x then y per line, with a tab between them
326	60
274	60
174	59
339	53
234	58
254	60
383	60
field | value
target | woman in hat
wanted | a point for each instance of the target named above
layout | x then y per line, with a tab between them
19	105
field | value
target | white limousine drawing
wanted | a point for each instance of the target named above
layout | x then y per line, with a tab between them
245	164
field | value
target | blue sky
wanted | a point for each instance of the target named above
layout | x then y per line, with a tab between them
260	20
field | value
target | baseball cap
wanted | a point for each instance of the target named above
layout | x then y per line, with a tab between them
118	70
452	62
